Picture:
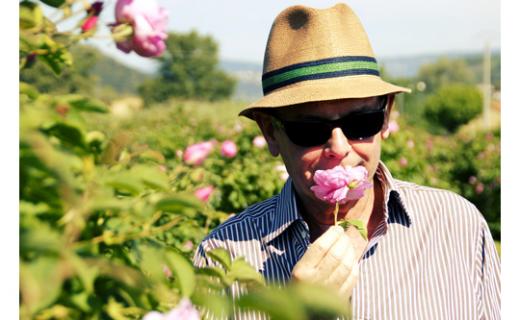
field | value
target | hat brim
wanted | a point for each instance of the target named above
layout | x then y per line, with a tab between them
361	86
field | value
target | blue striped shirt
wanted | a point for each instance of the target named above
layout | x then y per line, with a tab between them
432	257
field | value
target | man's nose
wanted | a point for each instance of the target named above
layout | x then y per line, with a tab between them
338	145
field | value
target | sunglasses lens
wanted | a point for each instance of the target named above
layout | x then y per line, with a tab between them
362	126
355	127
307	134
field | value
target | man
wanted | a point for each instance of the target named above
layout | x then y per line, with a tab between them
429	253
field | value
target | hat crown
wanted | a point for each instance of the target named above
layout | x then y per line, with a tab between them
301	34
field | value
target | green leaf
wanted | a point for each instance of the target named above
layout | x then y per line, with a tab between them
183	272
151	176
278	304
217	304
179	203
57	58
81	300
70	135
33	209
125	182
240	270
31	15
40	237
54	3
87	104
222	256
87	273
152	155
321	300
28	90
40	282
214	272
358	224
108	202
152	262
123	273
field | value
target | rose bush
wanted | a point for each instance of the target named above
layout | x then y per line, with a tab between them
104	230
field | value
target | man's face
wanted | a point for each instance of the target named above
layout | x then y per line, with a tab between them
302	162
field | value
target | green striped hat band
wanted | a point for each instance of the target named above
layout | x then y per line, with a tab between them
319	69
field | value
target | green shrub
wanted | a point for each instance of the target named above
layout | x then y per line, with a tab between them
476	174
452	106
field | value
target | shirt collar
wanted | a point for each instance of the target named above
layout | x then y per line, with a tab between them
396	209
286	211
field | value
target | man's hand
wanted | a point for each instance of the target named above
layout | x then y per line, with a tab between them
333	260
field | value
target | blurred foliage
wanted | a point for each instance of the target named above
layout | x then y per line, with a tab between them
77	79
108	225
93	73
476	174
189	69
440	74
452	106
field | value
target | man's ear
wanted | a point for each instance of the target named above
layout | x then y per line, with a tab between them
385	131
265	123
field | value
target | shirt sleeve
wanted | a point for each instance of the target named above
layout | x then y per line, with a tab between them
488	264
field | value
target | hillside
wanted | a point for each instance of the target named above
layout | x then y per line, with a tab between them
249	74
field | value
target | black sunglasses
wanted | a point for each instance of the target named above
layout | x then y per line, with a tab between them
355	126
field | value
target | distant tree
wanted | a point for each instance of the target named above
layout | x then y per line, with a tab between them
443	72
189	70
452	106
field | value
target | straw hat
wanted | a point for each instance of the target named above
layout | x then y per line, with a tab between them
318	54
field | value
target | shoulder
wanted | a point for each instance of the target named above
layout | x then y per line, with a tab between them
438	204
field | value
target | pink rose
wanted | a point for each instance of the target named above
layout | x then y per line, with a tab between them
167	272
184	311
393	126
479	188
403	162
339	184
188	245
153	315
284	175
228	149
204	193
197	153
149	23
259	142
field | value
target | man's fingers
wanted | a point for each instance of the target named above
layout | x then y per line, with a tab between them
333	257
342	271
305	267
346	289
320	247
358	243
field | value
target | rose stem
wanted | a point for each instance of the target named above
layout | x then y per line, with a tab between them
336	214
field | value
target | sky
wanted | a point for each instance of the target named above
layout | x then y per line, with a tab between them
395	28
